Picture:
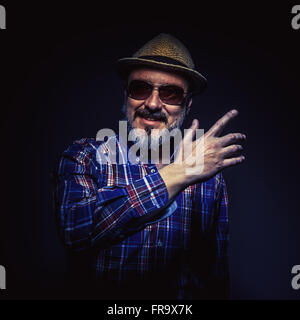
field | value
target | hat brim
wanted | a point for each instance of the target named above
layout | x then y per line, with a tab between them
198	81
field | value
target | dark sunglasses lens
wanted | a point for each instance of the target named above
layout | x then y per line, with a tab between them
171	94
139	90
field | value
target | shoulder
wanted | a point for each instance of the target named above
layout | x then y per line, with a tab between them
87	151
79	157
84	143
82	149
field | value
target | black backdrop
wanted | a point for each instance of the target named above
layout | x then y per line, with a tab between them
58	85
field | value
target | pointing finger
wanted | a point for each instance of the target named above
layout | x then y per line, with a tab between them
219	126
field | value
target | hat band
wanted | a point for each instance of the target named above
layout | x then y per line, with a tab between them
164	59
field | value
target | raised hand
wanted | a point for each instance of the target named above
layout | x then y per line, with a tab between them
199	160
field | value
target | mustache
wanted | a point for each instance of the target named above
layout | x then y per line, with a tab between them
157	115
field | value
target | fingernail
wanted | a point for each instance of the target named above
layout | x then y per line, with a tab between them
234	111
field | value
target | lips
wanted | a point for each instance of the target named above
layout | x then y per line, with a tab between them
151	119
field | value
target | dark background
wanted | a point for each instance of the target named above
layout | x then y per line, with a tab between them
58	85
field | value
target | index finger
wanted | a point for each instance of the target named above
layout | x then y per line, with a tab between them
219	126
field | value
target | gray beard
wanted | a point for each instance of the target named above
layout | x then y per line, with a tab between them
146	138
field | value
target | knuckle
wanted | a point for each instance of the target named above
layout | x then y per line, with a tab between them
211	145
219	123
231	136
218	165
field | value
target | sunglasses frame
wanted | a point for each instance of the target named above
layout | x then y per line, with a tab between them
186	94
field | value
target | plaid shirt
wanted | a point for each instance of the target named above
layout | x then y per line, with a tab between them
120	214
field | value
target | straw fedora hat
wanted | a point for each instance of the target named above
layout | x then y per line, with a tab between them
167	53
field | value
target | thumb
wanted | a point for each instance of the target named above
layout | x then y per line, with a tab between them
189	135
191	132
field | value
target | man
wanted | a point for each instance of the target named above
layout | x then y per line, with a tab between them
150	230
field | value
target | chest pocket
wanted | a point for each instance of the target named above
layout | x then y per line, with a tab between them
115	175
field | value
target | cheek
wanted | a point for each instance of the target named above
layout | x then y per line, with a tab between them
175	116
130	108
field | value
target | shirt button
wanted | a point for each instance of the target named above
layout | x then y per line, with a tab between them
137	159
159	243
153	170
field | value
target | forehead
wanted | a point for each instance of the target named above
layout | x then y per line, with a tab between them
157	77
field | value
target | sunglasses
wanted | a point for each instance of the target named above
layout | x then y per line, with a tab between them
169	94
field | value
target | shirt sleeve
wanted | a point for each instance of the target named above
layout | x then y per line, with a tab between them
89	214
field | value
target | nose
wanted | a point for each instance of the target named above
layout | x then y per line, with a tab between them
153	101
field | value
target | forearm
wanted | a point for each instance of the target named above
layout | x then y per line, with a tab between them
174	178
101	217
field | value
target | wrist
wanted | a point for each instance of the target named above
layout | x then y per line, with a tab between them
175	178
